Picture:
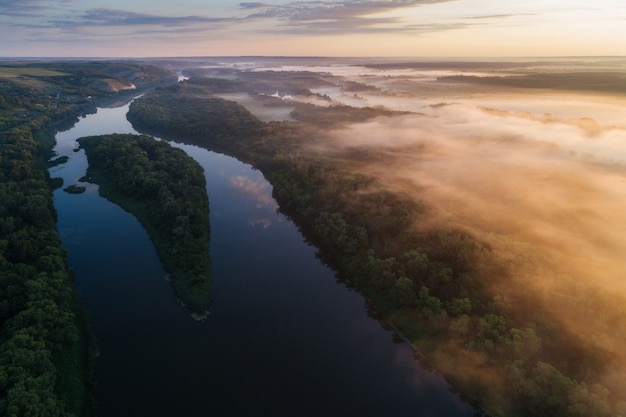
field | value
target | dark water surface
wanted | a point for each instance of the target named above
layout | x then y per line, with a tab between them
283	337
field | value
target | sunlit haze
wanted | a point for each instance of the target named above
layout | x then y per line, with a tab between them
65	28
461	164
538	175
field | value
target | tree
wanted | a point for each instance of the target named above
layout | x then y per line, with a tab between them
429	305
403	294
459	306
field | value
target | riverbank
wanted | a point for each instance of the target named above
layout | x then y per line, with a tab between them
431	285
47	348
282	332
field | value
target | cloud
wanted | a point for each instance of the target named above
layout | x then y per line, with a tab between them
111	17
435	27
501	16
306	18
347	25
343	17
29	8
252	5
305	11
64	16
8	5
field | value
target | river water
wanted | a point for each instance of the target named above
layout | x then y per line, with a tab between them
283	337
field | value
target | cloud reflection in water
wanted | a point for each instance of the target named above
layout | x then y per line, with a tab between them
261	193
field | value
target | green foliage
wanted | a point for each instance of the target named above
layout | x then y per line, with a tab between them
525	344
59	161
46	348
430	306
596	81
336	115
74	189
460	328
436	279
44	95
166	190
544	391
209	118
40	319
215	85
459	306
403	293
492	329
340	235
56	183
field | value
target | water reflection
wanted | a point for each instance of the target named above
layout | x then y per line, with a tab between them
283	338
260	191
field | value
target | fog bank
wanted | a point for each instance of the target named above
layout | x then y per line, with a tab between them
546	193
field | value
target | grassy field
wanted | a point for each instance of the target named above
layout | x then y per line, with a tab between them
14	72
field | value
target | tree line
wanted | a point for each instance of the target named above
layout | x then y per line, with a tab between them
47	348
430	286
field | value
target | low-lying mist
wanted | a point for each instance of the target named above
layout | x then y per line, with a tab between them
546	193
536	174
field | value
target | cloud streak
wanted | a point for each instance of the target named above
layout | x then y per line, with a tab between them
320	10
321	17
272	28
18	7
109	17
252	5
30	10
60	26
501	16
57	21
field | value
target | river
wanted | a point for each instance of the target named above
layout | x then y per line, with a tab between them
283	337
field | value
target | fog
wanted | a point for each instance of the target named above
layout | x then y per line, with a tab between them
539	175
263	113
547	193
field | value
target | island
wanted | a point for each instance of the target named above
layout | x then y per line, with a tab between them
74	189
165	189
47	347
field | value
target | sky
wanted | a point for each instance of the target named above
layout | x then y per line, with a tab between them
400	28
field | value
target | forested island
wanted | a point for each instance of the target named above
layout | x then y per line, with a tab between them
166	190
47	349
431	287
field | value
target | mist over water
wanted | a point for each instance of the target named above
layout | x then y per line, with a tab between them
539	175
284	338
265	114
536	174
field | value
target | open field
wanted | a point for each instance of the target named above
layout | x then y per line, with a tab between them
14	72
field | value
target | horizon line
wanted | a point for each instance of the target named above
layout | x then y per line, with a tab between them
454	57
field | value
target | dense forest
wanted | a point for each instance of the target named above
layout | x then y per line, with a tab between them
47	350
604	82
429	286
45	347
166	190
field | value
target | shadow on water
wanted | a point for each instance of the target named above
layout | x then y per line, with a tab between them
283	337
